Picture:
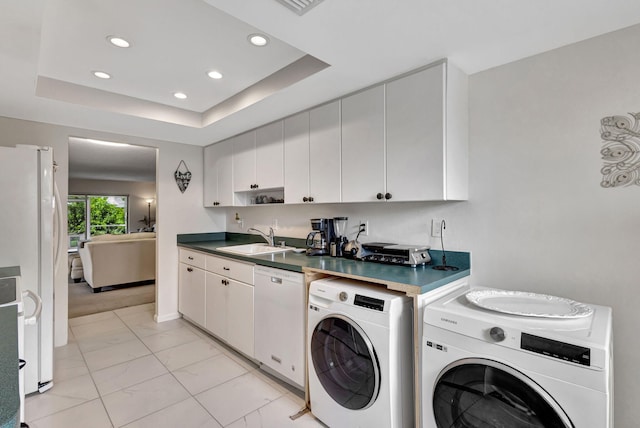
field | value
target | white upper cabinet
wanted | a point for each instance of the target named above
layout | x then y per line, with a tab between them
403	140
312	155
218	174
325	144
426	135
258	160
296	158
407	140
363	163
244	161
270	156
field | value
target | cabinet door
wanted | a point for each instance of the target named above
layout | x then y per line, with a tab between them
296	158
218	169
415	136
224	168
210	195
216	305
363	145
270	156
244	162
240	316
191	293
324	149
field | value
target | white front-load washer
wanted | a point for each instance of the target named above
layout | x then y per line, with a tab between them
360	355
529	361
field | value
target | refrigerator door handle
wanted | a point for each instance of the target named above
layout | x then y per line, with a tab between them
33	318
57	227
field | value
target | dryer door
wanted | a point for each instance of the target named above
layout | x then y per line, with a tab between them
479	393
345	362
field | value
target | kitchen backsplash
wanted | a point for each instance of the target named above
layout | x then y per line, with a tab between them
407	223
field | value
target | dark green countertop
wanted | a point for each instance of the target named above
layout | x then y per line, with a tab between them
418	280
9	394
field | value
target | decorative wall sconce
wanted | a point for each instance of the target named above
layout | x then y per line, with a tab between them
182	176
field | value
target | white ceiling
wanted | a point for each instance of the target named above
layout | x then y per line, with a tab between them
50	47
91	159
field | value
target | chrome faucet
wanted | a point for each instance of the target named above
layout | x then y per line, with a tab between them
269	238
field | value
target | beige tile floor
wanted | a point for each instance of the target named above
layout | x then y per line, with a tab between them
122	369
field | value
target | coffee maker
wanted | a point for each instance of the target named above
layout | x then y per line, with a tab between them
319	241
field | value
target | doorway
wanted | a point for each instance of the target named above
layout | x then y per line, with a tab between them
112	197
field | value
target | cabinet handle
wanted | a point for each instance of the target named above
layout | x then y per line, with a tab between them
225	282
379	196
189	269
310	198
387	196
276	359
256	185
305	199
225	268
190	258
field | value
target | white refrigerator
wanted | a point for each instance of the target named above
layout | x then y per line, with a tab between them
27	240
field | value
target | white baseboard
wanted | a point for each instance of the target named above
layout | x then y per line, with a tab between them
168	317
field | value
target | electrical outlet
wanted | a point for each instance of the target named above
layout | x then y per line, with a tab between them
365	232
436	227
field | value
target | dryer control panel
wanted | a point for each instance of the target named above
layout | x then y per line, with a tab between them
553	348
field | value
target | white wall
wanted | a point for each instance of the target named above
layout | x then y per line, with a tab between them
177	212
138	192
537	218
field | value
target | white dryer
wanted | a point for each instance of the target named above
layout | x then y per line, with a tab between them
360	355
498	358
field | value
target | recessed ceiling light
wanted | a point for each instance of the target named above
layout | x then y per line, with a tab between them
118	41
214	74
180	95
102	75
258	39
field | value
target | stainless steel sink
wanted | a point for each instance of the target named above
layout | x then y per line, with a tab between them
254	249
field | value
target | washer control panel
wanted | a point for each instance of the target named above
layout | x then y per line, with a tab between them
553	348
369	302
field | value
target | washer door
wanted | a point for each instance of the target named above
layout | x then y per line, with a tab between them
479	393
345	362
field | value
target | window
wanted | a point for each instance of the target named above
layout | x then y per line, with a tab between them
90	215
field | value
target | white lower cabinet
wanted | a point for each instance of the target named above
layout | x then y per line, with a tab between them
216	305
229	311
216	293
191	291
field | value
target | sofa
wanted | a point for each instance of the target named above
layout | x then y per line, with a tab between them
109	260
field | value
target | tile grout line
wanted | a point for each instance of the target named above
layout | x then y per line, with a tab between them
155	377
283	390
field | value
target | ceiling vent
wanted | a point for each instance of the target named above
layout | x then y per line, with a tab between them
300	6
